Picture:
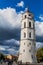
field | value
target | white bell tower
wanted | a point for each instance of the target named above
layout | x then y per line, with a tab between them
27	41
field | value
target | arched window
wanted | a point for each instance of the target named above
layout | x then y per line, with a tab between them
24	24
30	34
25	16
32	56
29	14
30	24
24	34
29	50
29	43
23	50
24	43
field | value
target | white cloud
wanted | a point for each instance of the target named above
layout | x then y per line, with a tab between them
2	48
39	28
9	18
20	4
41	17
12	51
39	44
8	48
13	41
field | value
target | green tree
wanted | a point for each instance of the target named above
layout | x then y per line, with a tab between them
1	56
39	54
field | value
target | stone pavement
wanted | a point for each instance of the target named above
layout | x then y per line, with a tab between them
32	64
20	64
7	63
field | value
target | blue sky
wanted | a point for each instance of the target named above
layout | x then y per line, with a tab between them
34	5
10	22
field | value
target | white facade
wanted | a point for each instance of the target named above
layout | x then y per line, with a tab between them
27	41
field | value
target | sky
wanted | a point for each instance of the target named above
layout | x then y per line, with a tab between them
10	23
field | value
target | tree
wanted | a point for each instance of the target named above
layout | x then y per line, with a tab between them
1	57
39	54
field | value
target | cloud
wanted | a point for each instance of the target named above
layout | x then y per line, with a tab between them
39	28
39	32
9	46
9	18
12	51
2	48
39	44
9	34
20	4
10	22
39	38
12	42
41	17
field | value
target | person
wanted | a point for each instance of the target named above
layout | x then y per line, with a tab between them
10	62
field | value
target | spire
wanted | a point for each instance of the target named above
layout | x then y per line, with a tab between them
26	9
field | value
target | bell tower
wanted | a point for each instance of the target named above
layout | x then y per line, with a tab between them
27	41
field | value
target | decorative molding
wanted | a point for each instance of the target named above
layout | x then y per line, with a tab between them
28	27
27	18
28	39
